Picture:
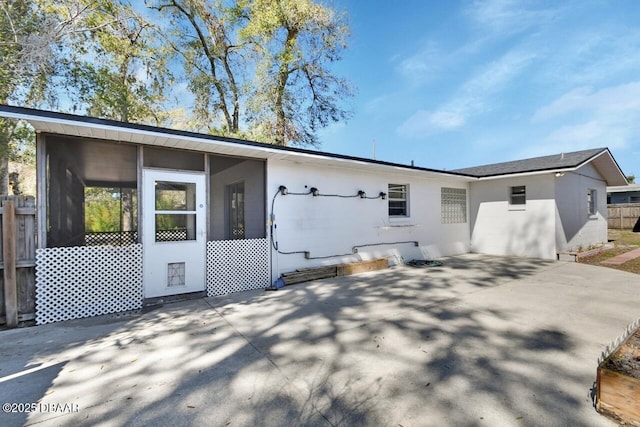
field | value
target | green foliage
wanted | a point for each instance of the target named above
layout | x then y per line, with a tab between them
204	36
258	69
116	69
631	179
110	209
102	209
295	91
268	59
25	50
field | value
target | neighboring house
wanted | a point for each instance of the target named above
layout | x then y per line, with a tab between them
623	194
542	206
206	215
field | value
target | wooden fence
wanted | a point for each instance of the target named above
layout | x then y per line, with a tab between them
624	216
18	250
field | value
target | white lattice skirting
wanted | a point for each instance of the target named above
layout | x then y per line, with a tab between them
237	265
77	282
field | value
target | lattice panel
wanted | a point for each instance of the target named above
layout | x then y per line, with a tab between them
237	265
111	238
76	282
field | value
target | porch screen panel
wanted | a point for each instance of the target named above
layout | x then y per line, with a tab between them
237	198
91	192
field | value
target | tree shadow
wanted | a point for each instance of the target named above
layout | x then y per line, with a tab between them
399	346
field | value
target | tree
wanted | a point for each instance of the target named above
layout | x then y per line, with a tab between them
30	32
20	21
295	92
114	66
204	36
631	179
260	68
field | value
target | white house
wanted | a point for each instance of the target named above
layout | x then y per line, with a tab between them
205	215
542	206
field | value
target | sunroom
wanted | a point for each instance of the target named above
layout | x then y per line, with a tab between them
130	223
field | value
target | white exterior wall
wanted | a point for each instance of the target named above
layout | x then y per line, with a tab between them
326	226
498	228
575	227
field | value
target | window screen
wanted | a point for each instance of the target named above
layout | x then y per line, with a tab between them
592	206
91	192
518	195
398	198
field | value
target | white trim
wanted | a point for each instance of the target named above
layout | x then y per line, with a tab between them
194	143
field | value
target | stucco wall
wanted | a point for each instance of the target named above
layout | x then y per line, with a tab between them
326	226
498	228
575	227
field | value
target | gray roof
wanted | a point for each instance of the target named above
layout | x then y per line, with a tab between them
535	164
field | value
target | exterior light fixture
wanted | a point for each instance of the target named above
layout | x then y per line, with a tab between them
559	174
283	190
382	195
314	191
362	194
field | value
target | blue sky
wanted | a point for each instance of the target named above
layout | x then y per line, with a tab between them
451	84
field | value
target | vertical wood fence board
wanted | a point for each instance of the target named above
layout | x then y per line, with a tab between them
623	216
9	258
25	226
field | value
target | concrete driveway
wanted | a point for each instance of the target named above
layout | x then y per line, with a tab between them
480	341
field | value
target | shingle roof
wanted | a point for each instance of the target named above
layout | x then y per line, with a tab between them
556	161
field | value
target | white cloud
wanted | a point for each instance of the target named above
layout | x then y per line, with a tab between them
582	136
591	55
505	17
476	96
608	117
423	123
622	100
476	93
423	62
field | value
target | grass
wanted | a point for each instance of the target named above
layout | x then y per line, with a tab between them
624	241
624	237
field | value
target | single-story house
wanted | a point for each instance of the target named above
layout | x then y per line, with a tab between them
541	206
208	215
621	194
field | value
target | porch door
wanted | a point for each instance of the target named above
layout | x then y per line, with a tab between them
174	232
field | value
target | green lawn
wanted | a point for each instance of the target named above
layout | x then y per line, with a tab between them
624	241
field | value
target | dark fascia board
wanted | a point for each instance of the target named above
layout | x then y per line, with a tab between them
176	132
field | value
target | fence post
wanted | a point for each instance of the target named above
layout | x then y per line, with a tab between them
621	219
9	258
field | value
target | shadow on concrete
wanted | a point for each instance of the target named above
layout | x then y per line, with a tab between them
385	348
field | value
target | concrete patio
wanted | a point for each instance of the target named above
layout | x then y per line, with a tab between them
479	341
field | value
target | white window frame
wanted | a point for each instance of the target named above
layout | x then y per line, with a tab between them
592	202
395	188
518	196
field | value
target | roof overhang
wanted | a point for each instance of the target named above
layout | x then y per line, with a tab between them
87	127
604	163
624	188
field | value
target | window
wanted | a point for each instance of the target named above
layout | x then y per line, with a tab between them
175	205
453	202
398	195
518	195
235	206
592	205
